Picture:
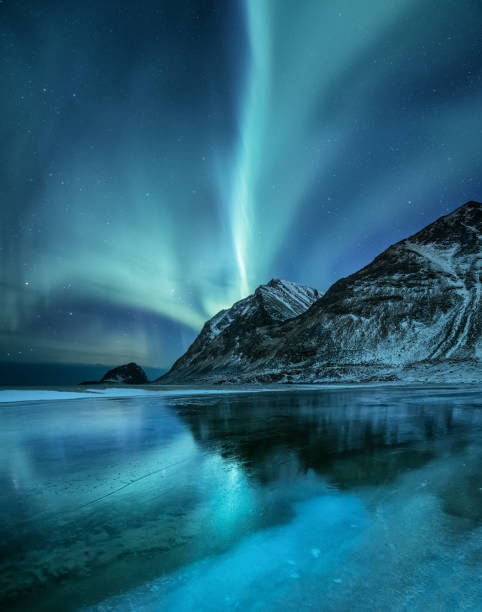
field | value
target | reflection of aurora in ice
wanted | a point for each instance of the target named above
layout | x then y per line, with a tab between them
331	556
268	569
360	499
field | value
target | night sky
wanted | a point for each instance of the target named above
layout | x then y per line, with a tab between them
159	160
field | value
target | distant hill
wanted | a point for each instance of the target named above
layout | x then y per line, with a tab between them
56	374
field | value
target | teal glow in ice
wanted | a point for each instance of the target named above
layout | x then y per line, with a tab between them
322	499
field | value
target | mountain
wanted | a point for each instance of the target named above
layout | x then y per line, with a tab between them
228	336
414	313
128	374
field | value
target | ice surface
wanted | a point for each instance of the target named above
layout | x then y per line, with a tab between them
366	498
34	395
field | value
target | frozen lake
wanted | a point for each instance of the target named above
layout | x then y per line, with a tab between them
335	499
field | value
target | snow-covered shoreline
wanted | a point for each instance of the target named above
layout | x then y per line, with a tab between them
35	395
49	394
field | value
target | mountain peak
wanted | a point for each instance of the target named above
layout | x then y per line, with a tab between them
273	303
461	229
469	209
275	282
284	300
470	205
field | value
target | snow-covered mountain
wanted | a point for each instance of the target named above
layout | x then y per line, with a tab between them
414	313
226	338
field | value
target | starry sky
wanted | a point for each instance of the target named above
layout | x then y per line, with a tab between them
161	159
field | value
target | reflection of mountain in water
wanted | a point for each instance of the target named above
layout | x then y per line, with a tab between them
153	483
345	436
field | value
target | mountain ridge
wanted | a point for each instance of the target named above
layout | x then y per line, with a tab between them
274	302
417	302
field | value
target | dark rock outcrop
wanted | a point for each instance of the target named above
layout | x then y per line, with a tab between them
416	303
128	374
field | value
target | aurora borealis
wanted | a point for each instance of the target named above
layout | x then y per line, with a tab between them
159	160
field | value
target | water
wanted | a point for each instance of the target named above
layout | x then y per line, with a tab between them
365	498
